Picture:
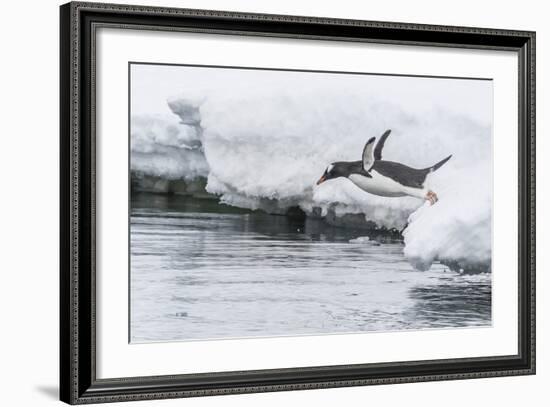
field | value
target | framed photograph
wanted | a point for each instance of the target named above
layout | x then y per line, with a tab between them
255	203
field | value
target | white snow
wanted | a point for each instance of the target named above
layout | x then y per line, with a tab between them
164	147
265	146
458	227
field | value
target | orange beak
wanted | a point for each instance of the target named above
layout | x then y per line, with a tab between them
321	180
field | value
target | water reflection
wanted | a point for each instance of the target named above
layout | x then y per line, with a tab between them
202	270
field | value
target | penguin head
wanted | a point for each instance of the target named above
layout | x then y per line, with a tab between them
334	170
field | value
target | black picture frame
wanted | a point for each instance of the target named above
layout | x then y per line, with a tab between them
78	382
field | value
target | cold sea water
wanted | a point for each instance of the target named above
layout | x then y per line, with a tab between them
204	270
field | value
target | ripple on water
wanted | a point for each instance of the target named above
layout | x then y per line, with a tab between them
216	275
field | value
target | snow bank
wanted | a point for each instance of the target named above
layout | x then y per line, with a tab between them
162	146
457	228
266	150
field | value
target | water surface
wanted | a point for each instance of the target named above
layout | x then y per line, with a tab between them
201	270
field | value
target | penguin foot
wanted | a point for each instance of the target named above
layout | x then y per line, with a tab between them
432	197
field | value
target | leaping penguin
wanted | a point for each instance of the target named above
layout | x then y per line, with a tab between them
384	178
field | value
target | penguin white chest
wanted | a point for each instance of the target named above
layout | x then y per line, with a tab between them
378	184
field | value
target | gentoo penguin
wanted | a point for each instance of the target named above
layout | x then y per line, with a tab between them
384	178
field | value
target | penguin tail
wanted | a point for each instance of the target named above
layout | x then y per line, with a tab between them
438	165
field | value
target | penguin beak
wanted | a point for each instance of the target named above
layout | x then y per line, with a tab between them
321	180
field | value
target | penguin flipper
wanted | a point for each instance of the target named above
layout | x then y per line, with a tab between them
368	156
380	145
